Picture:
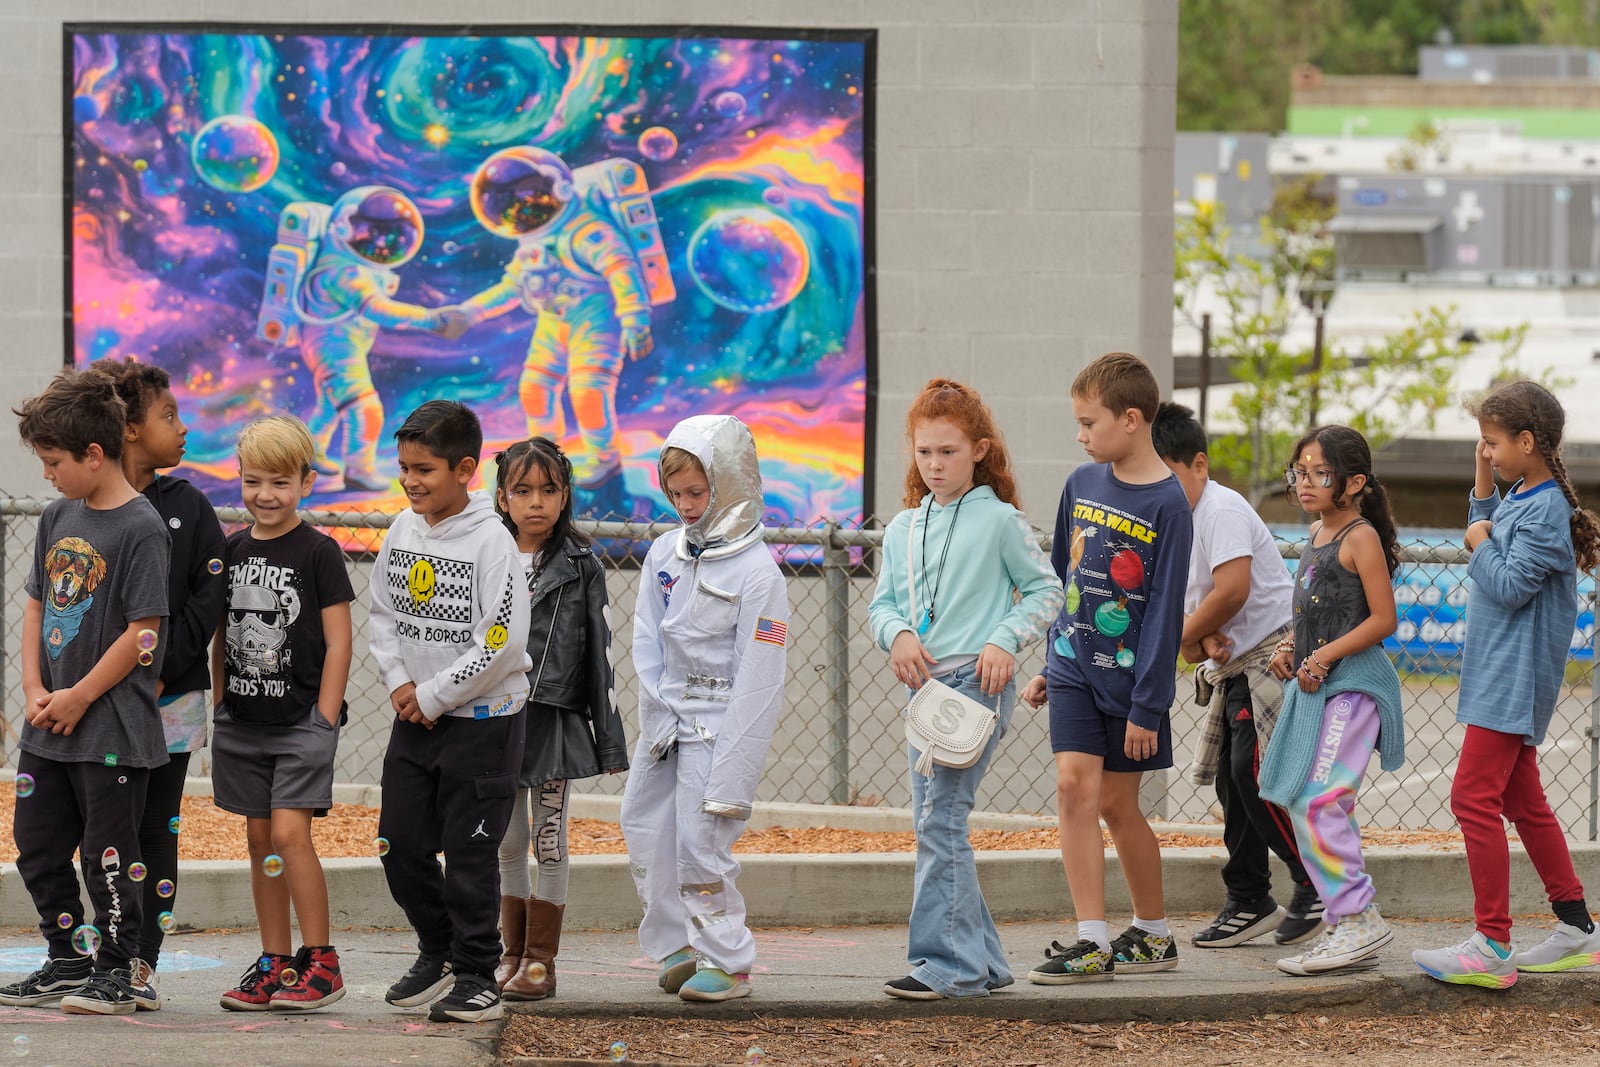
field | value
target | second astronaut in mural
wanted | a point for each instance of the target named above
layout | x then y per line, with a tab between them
330	284
589	264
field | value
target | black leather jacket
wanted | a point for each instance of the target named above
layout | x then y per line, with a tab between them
574	730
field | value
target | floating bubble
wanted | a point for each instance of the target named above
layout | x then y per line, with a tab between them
775	196
264	964
147	640
619	1051
20	1045
166	921
137	871
729	104
338	170
272	866
383	846
173	824
753	1056
165	888
146	658
235	153
86	940
749	260
24	785
658	143
64	921
536	972
288	977
214	565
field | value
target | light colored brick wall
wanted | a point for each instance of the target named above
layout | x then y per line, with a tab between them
1024	175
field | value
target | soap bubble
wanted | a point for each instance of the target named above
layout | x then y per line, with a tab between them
147	640
754	1057
536	971
166	921
24	785
619	1051
64	921
288	977
146	658
20	1045
137	871
383	846
272	866
173	824
165	888
86	940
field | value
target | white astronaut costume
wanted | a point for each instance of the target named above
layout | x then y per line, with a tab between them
710	633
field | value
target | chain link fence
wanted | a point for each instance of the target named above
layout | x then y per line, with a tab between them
841	740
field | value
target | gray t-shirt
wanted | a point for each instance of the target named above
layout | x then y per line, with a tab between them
94	572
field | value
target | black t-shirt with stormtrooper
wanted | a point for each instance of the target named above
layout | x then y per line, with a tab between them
273	644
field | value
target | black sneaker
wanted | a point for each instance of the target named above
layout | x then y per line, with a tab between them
422	984
473	999
1304	920
908	988
1139	951
49	983
1237	923
1083	962
105	993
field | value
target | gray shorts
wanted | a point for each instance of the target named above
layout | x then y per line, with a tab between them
255	769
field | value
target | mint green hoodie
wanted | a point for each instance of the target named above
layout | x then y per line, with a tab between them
993	551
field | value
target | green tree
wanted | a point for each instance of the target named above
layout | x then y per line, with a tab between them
1384	389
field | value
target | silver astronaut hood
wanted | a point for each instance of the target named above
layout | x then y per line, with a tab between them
732	521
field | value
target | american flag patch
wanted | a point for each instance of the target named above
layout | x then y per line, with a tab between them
771	631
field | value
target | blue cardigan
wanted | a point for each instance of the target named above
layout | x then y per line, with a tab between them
1286	767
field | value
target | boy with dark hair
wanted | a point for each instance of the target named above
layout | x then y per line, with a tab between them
1237	608
91	652
1121	545
196	588
449	629
282	662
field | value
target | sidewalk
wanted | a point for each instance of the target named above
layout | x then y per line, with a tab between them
821	972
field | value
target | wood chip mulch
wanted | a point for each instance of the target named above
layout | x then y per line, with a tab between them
209	833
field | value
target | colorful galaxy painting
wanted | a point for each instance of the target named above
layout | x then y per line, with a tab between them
588	237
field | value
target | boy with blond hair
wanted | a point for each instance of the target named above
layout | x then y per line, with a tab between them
92	646
281	661
1121	545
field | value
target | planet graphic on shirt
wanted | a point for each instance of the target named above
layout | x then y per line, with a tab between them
1074	598
1124	657
1063	645
1112	619
1080	535
1127	569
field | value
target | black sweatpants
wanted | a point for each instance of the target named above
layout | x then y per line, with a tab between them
92	809
1250	825
158	845
450	789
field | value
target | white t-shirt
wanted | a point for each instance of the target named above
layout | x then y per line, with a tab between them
1226	527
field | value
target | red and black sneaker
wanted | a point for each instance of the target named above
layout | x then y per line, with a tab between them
310	981
257	984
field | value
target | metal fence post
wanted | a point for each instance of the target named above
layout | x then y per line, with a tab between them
836	586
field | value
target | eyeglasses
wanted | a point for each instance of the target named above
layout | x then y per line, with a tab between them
1321	478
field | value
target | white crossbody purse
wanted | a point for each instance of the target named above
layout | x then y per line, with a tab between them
945	727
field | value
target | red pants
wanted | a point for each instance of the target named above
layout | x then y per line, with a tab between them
1499	776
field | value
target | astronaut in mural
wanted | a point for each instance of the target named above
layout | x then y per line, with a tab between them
330	288
257	627
589	265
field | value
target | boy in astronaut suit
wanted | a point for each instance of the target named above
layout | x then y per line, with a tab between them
710	631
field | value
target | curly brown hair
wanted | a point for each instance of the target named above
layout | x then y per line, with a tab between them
1524	405
943	398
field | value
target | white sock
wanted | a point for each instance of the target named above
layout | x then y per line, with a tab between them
1153	927
1095	930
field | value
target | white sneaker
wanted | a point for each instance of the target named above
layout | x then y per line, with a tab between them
1566	948
1295	965
142	985
1355	938
1473	962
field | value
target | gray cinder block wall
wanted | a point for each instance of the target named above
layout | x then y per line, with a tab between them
1024	176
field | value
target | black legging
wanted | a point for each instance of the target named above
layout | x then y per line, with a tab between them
158	848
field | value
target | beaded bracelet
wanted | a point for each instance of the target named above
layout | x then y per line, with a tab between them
1313	657
1305	665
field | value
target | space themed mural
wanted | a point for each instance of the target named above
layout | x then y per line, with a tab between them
582	236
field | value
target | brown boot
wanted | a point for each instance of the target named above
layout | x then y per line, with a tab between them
513	932
537	977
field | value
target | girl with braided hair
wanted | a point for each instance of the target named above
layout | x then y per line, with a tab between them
1526	550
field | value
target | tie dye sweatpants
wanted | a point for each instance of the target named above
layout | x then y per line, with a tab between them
1323	813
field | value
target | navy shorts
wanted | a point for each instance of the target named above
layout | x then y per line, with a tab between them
1078	725
255	769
